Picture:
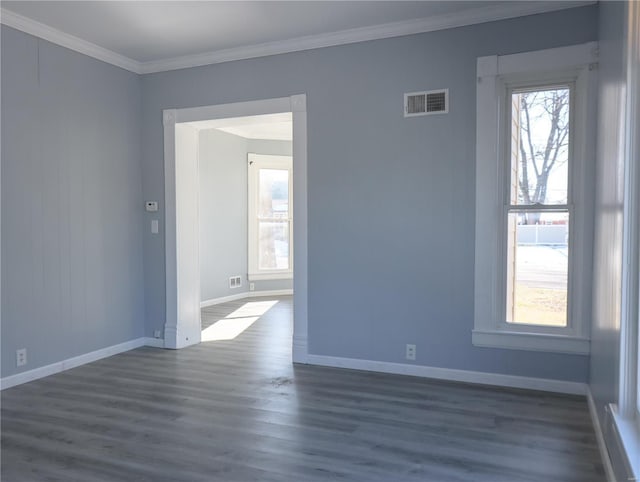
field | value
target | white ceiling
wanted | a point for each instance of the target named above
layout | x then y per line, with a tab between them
143	35
269	126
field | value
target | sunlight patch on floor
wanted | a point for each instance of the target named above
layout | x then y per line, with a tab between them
237	322
227	329
253	308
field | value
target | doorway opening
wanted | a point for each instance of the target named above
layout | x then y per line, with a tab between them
235	193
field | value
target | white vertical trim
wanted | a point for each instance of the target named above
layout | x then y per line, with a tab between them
300	263
487	252
171	280
602	446
297	105
627	403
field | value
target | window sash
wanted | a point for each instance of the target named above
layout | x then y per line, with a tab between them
256	163
509	88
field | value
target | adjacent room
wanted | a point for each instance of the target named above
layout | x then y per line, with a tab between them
390	241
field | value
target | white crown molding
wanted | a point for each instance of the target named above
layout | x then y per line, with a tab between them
395	29
71	42
363	34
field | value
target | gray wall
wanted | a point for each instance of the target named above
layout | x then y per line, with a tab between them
378	184
223	211
72	272
605	333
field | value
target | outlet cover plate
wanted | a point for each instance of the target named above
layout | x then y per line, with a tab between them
411	352
21	357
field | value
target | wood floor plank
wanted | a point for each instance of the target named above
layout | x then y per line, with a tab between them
237	410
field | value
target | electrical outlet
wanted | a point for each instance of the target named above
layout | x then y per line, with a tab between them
21	357
252	286
411	352
156	334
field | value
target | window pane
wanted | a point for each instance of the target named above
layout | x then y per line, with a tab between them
273	248
273	193
540	146
537	267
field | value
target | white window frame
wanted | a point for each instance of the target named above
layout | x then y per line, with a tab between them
255	163
497	76
626	414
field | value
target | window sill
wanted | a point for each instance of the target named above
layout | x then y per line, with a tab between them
270	276
628	433
531	341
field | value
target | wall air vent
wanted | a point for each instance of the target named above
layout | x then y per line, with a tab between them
426	103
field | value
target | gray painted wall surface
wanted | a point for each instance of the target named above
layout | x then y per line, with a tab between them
270	147
378	184
605	333
223	211
72	272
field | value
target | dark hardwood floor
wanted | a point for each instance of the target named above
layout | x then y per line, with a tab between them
238	410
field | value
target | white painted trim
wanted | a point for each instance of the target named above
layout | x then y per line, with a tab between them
270	276
602	445
297	105
257	294
300	350
243	295
627	437
154	342
495	76
363	34
629	309
394	29
467	376
41	372
531	341
223	299
66	40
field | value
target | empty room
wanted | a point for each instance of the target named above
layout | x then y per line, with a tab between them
368	241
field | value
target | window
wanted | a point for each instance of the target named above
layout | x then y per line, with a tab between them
537	212
270	217
535	158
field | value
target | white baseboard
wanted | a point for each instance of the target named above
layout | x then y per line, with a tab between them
69	363
223	299
602	445
244	294
481	378
256	294
299	350
154	342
